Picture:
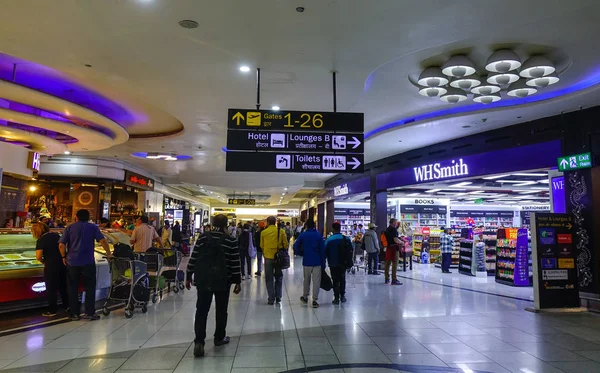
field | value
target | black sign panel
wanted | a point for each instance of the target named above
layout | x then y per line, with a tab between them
242	201
289	162
407	209
304	142
303	121
555	271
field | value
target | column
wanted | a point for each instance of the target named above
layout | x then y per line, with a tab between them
329	217
378	206
321	217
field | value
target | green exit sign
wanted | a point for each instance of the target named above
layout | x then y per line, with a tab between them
478	201
575	162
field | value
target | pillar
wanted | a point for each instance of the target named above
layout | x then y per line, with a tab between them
321	218
329	216
378	206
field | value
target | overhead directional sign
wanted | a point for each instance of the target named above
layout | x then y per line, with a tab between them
241	201
290	162
304	142
305	121
295	141
575	162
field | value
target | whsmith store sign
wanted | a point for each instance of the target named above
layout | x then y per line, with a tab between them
439	171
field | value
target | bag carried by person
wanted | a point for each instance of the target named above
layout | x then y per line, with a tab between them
346	253
251	247
282	256
383	240
211	268
326	283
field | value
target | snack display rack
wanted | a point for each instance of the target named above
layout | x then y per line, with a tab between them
490	239
512	257
466	259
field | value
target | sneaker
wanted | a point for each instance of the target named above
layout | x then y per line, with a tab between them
396	282
243	277
222	342
198	349
315	304
304	300
249	277
74	318
336	301
278	300
387	280
257	274
343	299
49	314
271	302
91	317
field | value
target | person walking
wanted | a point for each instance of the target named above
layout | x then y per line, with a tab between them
313	247
176	234
272	239
55	272
392	253
76	247
143	235
259	250
371	245
338	247
215	264
245	241
167	234
446	243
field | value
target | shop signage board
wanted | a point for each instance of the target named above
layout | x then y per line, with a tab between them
489	214
575	162
33	162
559	204
424	209
138	181
295	141
340	190
242	201
553	253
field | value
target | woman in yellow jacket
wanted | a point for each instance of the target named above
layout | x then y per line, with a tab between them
271	240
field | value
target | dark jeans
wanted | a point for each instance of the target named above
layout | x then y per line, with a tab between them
55	276
274	280
203	306
88	273
259	260
373	262
245	259
338	276
446	260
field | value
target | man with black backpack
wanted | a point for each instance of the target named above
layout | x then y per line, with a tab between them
215	264
339	254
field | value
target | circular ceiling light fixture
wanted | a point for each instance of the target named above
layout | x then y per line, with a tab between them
503	78
432	91
432	77
520	89
485	88
188	23
458	66
454	96
536	67
466	82
487	99
543	81
244	69
502	61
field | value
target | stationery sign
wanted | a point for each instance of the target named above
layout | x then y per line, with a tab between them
555	276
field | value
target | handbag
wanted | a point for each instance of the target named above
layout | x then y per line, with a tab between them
251	247
282	256
326	283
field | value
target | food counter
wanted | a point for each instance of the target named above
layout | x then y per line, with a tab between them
22	276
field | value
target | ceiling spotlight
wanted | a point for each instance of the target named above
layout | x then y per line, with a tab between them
503	78
275	108
502	61
432	77
543	81
188	23
536	67
458	66
454	96
66	152
432	91
466	82
244	69
485	88
520	89
487	99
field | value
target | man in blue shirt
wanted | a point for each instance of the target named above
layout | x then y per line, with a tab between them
337	247
446	243
313	248
77	250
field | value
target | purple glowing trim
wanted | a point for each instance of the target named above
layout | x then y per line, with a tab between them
144	154
590	81
224	149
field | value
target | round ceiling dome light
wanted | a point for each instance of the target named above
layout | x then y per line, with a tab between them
454	96
503	78
458	66
487	99
502	61
432	77
536	67
543	81
466	82
520	89
432	91
485	88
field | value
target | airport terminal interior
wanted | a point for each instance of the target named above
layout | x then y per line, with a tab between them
334	185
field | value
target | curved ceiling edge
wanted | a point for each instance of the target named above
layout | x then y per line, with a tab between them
37	142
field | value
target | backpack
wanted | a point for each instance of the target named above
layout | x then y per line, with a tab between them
383	239
346	253
211	272
122	250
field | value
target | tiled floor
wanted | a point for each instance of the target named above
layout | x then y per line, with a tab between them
421	326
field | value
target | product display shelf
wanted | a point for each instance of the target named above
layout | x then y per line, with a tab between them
348	221
488	223
417	241
455	250
465	262
490	239
512	257
435	254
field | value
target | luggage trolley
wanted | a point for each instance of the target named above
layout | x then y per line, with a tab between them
171	271
154	261
129	284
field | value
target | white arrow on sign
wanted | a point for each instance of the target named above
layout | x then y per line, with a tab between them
355	162
564	163
355	142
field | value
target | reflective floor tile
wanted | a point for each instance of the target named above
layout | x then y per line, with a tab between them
205	365
155	358
360	354
260	357
417	359
92	365
577	366
399	345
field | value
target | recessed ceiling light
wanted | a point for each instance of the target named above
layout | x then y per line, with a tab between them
454	96
543	81
285	188
464	183
275	108
485	88
520	89
529	174
413	194
536	67
433	91
67	152
466	126
458	66
503	60
476	192
527	191
432	77
300	9
188	23
244	68
487	99
88	65
503	78
432	190
495	177
466	82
